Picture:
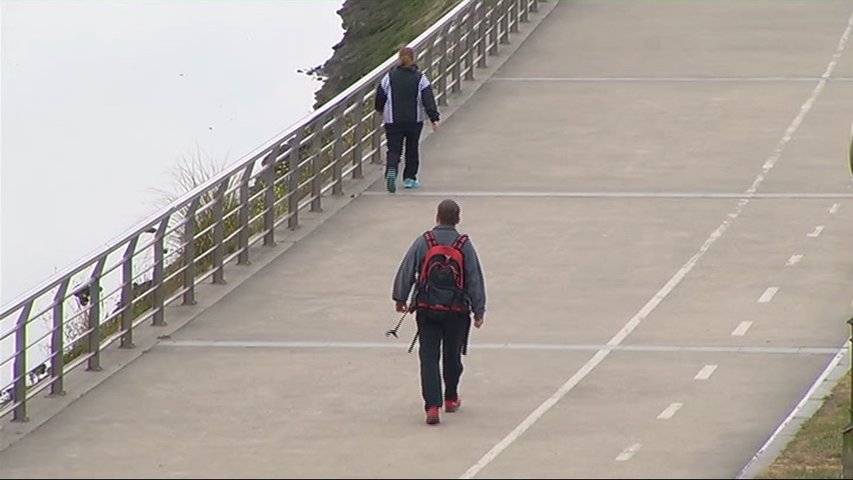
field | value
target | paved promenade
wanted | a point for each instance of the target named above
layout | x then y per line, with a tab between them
659	194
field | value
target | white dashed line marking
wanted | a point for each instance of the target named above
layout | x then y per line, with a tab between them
741	329
768	295
669	411
705	373
628	452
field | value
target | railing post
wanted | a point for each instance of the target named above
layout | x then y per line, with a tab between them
457	57
219	234
19	388
316	150
243	236
57	341
428	60
189	253
442	67
470	41
127	294
534	6
269	196
293	180
378	125
513	19
157	275
337	161
358	142
525	10
94	317
493	28
504	15
482	36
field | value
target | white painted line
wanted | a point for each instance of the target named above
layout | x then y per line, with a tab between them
795	259
705	373
741	329
536	414
392	345
768	295
816	231
592	194
826	371
628	452
669	411
663	79
834	208
673	282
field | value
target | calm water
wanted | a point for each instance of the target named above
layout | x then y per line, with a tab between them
99	100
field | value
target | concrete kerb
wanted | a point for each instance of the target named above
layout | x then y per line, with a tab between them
113	359
810	404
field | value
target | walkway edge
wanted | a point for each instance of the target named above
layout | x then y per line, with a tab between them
80	382
814	398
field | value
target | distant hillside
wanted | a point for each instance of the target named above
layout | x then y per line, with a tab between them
373	29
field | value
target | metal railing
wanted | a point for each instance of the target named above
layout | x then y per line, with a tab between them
66	322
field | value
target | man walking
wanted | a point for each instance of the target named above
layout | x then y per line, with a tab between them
443	266
402	97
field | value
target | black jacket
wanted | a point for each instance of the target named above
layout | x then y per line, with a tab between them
404	95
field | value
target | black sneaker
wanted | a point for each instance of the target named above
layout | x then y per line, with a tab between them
391	180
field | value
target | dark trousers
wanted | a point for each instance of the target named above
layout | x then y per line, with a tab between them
399	134
437	330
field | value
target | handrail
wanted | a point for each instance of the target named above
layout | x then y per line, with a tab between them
238	165
246	201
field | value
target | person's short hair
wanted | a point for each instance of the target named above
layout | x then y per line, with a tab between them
448	212
406	55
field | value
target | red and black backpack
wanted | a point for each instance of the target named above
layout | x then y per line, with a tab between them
441	283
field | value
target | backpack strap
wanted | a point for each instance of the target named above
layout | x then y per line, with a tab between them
430	239
460	242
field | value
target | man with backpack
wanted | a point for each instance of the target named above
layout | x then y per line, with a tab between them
443	267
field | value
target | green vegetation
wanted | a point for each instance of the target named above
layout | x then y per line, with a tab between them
374	29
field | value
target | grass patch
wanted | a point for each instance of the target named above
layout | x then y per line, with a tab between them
815	452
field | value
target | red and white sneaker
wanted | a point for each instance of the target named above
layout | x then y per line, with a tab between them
451	406
432	416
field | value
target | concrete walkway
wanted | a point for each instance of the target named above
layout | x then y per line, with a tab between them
646	318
